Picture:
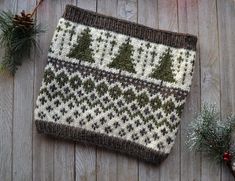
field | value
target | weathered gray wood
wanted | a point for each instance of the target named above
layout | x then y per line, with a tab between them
56	160
226	25
43	147
23	109
86	155
107	7
106	165
170	169
127	168
6	111
87	4
148	15
85	163
190	161
127	9
210	78
107	160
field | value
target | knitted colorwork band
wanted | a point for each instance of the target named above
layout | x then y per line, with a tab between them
115	84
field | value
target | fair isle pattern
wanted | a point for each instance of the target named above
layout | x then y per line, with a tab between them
105	46
114	90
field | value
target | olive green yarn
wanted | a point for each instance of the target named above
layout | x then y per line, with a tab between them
88	85
82	50
124	61
164	71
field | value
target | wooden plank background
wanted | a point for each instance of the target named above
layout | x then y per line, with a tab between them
25	155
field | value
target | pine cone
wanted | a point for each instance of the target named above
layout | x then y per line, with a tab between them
23	20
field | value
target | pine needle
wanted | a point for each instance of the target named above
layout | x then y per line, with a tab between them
18	41
210	135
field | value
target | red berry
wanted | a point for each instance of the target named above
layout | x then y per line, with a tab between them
227	156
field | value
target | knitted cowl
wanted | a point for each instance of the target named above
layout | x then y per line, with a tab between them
115	84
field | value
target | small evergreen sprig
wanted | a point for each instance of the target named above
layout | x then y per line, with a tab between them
213	136
18	34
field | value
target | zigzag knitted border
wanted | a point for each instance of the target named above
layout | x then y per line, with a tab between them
112	105
179	94
100	140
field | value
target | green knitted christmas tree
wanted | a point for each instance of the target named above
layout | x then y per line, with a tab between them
164	70
123	60
82	50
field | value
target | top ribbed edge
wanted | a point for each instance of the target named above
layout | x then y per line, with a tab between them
89	18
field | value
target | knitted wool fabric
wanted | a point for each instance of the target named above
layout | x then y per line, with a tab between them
115	84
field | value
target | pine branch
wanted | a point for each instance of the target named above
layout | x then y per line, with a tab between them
18	37
210	135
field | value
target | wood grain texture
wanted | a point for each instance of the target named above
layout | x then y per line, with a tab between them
23	109
6	112
226	24
43	148
26	155
210	70
189	161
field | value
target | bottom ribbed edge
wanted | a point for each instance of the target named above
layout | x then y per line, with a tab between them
100	140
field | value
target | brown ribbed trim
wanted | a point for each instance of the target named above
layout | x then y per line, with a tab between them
89	18
100	140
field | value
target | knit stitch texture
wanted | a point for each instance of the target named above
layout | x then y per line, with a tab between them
115	84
